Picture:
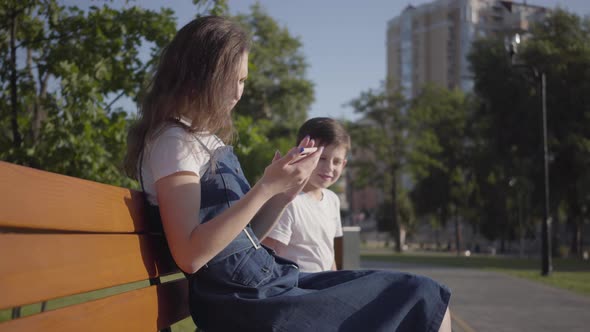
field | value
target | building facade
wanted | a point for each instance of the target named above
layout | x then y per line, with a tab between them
430	42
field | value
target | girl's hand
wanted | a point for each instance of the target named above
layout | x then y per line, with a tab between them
288	175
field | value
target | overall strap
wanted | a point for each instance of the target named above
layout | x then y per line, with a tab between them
203	145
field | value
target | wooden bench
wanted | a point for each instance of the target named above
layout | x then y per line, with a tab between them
61	236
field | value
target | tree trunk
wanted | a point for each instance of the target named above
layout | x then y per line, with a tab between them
37	112
576	245
443	222
16	137
580	240
402	237
555	239
457	232
395	213
520	228
437	238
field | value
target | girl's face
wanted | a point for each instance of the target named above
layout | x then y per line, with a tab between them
236	89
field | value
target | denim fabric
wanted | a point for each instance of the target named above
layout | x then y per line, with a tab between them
246	287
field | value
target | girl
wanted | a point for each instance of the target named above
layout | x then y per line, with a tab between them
213	219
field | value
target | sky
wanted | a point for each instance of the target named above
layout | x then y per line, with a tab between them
343	40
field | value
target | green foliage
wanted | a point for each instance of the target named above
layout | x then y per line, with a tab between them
438	121
507	124
211	7
277	94
379	151
561	49
254	148
72	65
379	146
407	217
276	88
63	68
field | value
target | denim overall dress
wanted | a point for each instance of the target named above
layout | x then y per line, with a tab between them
246	287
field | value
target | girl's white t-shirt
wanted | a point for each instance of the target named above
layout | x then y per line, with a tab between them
175	150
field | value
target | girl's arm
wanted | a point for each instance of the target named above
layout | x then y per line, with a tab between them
179	196
270	213
193	244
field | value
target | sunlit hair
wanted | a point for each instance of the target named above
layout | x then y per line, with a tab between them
325	131
190	80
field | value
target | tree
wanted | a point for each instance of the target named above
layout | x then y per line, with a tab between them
277	87
508	122
438	120
560	47
62	70
277	96
506	135
211	7
379	150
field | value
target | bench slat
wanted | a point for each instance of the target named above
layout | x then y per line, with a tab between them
146	309
38	267
37	199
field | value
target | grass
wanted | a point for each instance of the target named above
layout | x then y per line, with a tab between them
570	274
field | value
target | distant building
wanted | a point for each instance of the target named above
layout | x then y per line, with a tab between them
430	42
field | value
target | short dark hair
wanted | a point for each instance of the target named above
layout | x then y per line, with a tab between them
325	131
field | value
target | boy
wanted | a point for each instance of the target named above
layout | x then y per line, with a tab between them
305	232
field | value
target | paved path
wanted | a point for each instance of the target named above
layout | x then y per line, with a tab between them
489	301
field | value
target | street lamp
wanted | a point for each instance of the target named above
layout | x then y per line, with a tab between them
511	45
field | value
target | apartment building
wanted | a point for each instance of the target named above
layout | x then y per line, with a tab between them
430	42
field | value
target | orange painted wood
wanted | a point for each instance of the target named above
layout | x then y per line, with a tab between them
61	236
146	309
37	199
38	267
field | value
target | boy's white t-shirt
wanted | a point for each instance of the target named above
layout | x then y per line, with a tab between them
308	228
175	150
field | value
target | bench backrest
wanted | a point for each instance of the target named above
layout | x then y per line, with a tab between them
61	236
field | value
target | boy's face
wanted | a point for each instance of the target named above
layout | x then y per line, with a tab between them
330	166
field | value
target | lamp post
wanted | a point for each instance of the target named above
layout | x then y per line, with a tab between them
512	49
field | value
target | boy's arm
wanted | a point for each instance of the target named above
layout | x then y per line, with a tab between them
276	245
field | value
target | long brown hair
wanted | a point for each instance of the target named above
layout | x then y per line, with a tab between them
190	79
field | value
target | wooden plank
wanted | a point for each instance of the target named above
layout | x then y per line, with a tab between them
39	267
145	309
37	199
